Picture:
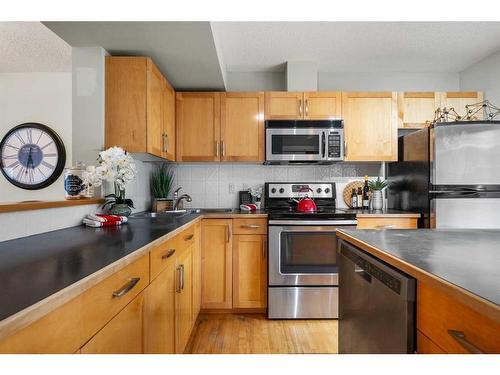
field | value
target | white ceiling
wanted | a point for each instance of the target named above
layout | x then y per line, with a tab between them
32	47
356	46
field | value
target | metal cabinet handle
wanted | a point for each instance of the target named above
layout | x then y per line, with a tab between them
217	148
169	253
182	276
179	280
188	238
228	233
166	142
250	226
307	107
300	107
126	288
345	148
459	336
223	148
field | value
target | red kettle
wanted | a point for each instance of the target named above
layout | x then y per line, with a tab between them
306	204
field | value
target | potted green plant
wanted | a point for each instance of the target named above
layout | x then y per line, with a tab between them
162	180
377	198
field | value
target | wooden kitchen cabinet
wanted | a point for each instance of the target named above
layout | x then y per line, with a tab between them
137	106
458	101
322	105
388	222
242	126
168	112
183	299
159	312
250	271
198	126
217	264
370	126
197	271
417	109
123	334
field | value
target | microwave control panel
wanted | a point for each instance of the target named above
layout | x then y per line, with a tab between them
334	145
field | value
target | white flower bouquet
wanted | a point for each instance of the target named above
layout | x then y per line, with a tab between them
115	166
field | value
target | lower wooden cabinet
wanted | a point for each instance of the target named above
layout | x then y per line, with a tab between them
388	222
217	264
183	299
159	313
250	271
197	271
123	334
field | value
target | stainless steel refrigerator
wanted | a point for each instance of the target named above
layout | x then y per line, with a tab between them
450	173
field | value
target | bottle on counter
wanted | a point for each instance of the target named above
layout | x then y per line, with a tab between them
359	198
354	199
366	197
73	181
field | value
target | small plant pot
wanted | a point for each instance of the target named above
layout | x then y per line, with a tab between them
120	209
162	204
377	200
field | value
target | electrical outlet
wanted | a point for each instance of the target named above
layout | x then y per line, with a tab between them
232	189
245	187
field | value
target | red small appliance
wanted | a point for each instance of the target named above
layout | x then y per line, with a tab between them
306	204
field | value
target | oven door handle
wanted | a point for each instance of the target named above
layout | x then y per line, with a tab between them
338	223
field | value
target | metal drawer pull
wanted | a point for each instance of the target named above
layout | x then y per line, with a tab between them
179	280
217	148
169	253
190	237
459	336
126	288
228	234
250	226
182	276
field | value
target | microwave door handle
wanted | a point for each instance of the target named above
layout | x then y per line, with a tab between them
323	145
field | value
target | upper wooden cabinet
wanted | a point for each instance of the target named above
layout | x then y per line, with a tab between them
198	126
139	107
370	126
242	126
458	101
214	126
302	105
416	109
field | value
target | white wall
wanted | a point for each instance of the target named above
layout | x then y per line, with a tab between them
208	183
256	81
36	97
388	81
483	76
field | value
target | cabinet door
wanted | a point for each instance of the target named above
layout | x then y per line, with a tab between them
159	313
417	109
168	112
197	271
123	334
154	129
370	126
184	299
198	126
249	271
242	126
217	264
281	105
126	102
458	101
322	105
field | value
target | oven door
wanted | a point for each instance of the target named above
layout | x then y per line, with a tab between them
303	255
291	144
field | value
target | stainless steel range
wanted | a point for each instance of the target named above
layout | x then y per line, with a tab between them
303	258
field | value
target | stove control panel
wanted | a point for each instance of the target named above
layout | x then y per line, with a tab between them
299	190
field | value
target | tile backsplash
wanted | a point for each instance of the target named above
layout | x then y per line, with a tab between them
211	184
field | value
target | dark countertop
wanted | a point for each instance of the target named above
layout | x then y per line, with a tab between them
384	212
467	258
35	267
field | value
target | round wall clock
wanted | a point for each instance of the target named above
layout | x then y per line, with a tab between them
32	156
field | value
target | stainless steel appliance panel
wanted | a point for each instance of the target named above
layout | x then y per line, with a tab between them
297	144
377	305
303	303
466	153
478	213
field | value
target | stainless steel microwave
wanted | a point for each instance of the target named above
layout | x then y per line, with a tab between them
304	141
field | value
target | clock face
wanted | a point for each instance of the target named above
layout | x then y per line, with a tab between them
32	156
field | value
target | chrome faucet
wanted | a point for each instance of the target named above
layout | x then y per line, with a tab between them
178	204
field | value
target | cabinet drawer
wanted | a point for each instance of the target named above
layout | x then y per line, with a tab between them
438	314
103	301
387	223
426	346
165	254
250	226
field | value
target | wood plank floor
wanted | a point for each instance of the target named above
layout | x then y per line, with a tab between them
255	334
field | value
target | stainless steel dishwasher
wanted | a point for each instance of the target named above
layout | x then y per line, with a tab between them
376	305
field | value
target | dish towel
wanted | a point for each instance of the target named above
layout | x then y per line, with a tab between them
100	220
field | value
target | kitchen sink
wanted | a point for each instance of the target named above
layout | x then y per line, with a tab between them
179	213
212	210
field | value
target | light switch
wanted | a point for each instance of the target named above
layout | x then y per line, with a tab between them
232	188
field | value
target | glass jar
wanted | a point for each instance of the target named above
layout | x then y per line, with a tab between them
73	181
